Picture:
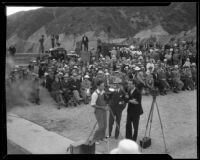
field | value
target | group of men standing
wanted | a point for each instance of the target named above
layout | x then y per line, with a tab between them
115	104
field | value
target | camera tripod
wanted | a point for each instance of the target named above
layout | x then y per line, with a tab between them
149	121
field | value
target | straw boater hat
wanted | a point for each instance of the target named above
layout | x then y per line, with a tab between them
126	146
137	68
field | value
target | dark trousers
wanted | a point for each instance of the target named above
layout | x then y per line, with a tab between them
117	115
132	120
102	124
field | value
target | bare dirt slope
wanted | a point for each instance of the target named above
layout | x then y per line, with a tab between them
178	114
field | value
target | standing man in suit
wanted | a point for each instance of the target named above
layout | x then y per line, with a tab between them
85	42
117	104
134	110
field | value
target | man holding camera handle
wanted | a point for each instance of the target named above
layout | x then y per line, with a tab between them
100	110
118	100
134	110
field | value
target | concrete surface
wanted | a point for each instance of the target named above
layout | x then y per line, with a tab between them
34	138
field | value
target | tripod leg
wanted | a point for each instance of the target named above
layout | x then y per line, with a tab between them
161	127
151	119
150	113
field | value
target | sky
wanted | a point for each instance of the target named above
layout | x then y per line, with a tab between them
12	10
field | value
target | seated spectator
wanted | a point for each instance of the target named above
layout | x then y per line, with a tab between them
66	89
86	89
177	83
75	87
194	73
187	62
150	64
56	92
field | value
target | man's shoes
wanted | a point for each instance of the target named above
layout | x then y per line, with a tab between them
108	136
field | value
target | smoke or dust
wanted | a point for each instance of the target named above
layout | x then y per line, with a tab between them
17	93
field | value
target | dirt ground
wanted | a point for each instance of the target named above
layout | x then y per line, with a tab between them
178	114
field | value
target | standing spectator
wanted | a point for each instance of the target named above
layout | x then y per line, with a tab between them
41	40
134	110
85	42
12	50
52	41
57	40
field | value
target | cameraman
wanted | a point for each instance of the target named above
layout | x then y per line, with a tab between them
118	100
100	108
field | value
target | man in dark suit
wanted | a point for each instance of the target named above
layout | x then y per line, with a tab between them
117	104
134	110
84	42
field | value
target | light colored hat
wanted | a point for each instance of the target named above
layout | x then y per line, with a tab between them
176	66
86	76
107	74
140	57
193	64
100	72
137	68
75	67
126	146
165	60
45	74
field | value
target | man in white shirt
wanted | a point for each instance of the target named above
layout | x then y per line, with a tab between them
99	104
150	64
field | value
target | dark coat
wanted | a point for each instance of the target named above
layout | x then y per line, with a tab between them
118	101
135	109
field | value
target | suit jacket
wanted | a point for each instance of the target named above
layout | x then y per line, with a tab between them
118	101
135	109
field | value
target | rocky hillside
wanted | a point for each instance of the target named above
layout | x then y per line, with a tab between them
25	28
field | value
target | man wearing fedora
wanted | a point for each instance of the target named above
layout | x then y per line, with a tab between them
117	104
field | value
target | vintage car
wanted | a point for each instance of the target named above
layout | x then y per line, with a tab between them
58	53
